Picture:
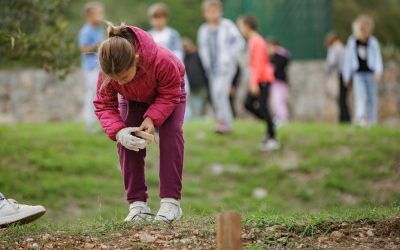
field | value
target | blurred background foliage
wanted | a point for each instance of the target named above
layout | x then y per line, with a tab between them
42	33
33	33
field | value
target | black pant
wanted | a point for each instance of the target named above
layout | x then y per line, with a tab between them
344	114
259	106
232	94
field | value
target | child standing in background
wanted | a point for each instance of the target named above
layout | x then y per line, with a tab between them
90	36
335	62
261	76
197	78
363	64
166	36
280	59
220	44
150	80
163	34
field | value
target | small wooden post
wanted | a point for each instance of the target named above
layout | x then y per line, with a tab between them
229	231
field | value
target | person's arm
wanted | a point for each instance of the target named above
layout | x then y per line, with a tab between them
379	63
347	70
331	60
203	48
169	77
88	49
236	40
202	70
106	109
257	64
84	43
176	45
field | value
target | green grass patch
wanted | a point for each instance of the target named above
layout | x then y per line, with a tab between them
320	167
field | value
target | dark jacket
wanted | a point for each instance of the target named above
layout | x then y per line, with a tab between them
280	60
195	71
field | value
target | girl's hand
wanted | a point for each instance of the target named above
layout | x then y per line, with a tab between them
378	77
146	136
148	127
126	139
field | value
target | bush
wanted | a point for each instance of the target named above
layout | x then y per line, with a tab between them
33	33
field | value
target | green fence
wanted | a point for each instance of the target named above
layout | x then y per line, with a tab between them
299	25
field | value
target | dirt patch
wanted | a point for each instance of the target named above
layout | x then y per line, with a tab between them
305	178
361	235
386	187
348	198
289	160
371	235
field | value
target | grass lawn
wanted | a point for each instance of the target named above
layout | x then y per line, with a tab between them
323	173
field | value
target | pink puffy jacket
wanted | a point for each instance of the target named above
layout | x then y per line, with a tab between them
159	82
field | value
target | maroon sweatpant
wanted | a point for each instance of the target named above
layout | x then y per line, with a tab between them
171	155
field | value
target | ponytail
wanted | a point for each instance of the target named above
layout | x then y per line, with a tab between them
117	53
120	31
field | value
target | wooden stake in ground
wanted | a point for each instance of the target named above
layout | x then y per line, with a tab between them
229	231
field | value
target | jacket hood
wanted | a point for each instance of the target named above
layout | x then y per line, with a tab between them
282	52
145	45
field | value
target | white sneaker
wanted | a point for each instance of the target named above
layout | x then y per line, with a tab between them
138	211
11	212
270	145
170	210
363	123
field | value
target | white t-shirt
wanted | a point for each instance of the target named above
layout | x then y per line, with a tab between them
162	37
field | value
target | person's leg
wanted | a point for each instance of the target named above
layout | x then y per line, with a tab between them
133	163
214	95
232	99
221	85
264	108
274	99
359	97
233	90
284	90
90	94
188	113
372	99
196	103
203	95
252	105
278	96
171	154
344	115
171	165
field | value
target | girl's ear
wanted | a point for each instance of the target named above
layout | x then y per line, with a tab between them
136	58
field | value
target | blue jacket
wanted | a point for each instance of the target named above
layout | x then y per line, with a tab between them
90	36
374	58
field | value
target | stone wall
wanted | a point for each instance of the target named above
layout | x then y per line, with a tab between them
313	95
35	96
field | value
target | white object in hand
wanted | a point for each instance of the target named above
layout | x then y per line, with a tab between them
129	141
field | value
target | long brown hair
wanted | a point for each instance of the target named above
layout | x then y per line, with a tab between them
117	53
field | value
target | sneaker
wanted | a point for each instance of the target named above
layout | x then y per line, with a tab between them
270	145
138	211
13	213
222	129
363	123
170	210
